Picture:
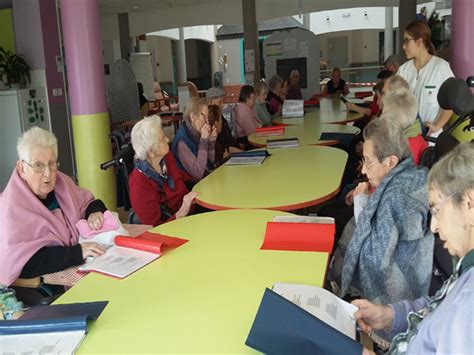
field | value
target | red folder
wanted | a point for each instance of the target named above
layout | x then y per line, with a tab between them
270	131
299	237
362	94
151	242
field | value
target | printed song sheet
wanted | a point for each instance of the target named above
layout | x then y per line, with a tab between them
322	304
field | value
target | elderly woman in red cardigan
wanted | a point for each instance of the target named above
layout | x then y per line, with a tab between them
157	186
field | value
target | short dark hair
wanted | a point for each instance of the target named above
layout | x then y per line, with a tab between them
384	74
245	92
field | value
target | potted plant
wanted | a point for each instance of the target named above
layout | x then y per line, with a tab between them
13	68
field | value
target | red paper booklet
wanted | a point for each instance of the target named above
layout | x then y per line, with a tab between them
131	254
300	233
270	131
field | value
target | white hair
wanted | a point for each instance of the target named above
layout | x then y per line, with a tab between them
387	139
402	103
453	174
397	82
145	135
33	139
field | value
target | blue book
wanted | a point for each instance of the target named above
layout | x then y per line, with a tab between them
282	327
54	318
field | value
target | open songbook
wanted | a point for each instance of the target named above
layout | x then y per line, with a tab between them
302	319
283	143
293	108
51	329
251	157
131	254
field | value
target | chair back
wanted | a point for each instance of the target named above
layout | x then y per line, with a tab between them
124	104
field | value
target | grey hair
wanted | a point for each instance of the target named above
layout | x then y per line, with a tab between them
274	82
145	135
397	82
193	106
294	72
453	174
387	138
260	86
403	103
33	139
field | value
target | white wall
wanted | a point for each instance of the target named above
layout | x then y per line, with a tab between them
160	47
231	47
295	50
205	33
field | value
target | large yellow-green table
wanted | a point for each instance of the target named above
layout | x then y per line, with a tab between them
308	133
331	110
199	298
289	179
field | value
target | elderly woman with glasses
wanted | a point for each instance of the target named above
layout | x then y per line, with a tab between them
442	324
195	141
40	208
385	252
157	186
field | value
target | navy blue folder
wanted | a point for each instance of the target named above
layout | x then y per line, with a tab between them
281	327
54	318
343	138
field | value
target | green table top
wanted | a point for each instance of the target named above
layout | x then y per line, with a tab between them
307	133
199	298
290	179
331	110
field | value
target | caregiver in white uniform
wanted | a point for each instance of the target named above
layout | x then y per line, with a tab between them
425	73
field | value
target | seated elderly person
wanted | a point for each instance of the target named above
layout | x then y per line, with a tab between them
294	90
225	143
400	105
40	208
274	101
336	85
260	108
442	324
246	122
385	252
194	144
157	186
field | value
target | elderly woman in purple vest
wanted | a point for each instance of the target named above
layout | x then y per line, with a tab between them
442	324
194	144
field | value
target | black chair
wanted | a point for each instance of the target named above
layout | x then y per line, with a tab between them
454	94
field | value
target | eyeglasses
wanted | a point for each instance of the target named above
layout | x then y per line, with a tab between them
408	39
367	163
435	209
40	167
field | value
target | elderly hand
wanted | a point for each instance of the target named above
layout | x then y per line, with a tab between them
349	199
431	128
91	250
372	316
362	188
205	131
96	220
188	200
214	133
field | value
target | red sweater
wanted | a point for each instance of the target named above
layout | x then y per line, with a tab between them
417	146
145	195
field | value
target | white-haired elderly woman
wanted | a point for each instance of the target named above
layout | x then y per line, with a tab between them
40	208
158	192
400	106
442	324
385	252
274	101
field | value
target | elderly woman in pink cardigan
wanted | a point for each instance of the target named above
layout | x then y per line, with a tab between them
40	207
246	122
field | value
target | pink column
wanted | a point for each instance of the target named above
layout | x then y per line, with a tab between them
87	97
462	38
